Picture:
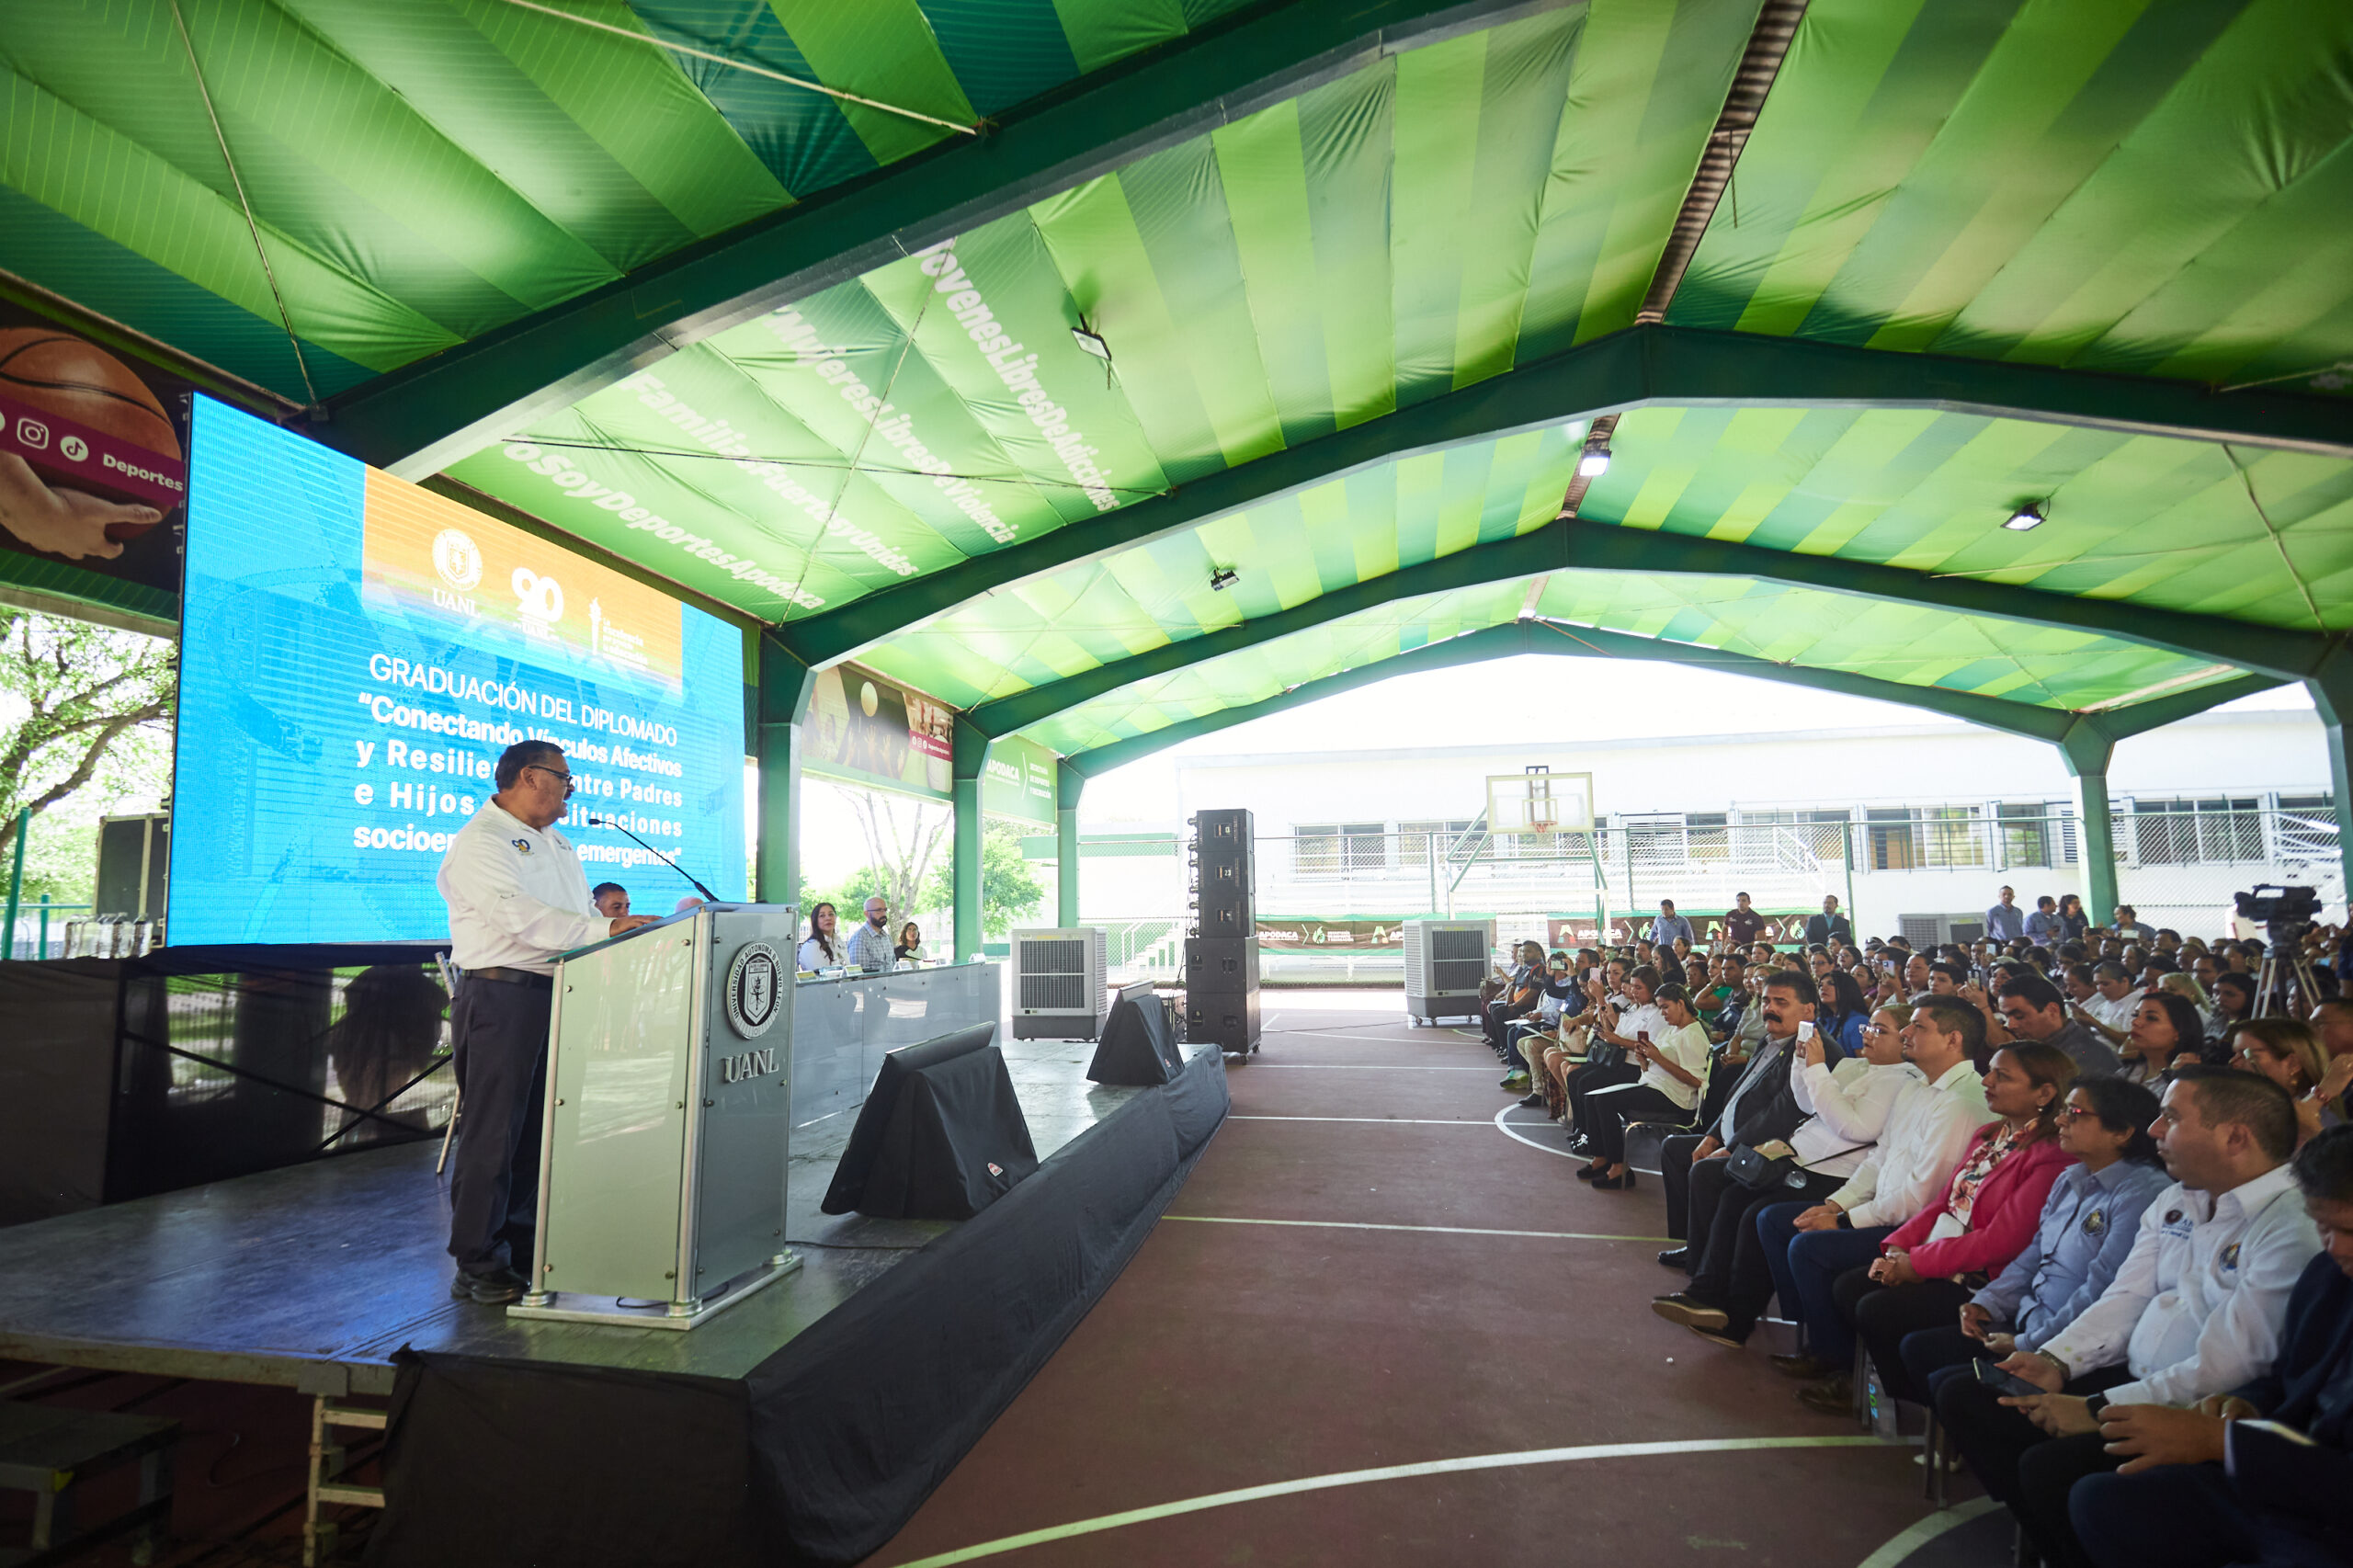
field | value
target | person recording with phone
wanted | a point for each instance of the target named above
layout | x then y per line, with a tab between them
517	902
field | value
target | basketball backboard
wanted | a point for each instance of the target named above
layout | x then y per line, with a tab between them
1537	801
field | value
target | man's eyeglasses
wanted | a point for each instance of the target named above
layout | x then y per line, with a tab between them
554	773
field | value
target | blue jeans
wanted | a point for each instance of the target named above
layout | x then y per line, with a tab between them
1805	1263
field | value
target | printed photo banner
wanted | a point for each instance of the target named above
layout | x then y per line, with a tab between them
93	454
866	728
1018	781
1314	934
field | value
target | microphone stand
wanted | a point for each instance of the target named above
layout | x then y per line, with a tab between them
707	894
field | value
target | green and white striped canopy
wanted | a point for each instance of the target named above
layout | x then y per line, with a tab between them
980	371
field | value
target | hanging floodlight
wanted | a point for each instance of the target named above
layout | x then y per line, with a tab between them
1595	463
1222	578
1091	342
2027	517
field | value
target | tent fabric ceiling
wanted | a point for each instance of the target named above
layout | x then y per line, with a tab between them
2156	189
2045	667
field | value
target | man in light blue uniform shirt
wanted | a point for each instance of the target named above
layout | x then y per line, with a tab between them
2005	922
1669	925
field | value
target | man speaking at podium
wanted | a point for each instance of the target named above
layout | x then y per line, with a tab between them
517	898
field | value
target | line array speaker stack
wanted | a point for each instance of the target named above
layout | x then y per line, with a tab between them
1221	953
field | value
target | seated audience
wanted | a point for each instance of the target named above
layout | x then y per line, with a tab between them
2195	1309
2166	1032
2289	1054
1624	1029
2086	1227
2032	1009
2261	1475
1927	1127
1848	1105
1929	1266
1843	1012
1674	1066
1761	1108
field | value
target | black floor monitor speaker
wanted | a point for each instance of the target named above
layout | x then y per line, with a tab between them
1221	966
941	1136
1228	829
1138	1044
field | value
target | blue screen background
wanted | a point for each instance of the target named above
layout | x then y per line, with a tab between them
275	657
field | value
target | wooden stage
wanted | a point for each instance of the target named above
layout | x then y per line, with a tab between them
313	1276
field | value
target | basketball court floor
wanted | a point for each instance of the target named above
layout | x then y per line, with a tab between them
1382	1323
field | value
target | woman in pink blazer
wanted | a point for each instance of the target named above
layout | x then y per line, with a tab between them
1991	1207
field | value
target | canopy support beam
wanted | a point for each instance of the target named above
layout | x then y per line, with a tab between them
786	686
970	761
2054	726
1069	783
1640	366
425	417
1566	545
2087	754
2330	685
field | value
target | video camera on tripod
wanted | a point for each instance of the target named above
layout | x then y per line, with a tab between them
2287	915
2285	912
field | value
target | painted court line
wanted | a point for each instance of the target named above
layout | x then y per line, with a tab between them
1434	1230
1506	1128
1384	1121
1910	1540
1386	1472
1355	1067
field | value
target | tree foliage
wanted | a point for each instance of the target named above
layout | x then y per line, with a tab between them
70	694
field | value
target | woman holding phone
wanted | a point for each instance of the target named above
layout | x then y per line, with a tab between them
1674	1067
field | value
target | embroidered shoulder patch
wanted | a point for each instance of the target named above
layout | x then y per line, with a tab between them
522	845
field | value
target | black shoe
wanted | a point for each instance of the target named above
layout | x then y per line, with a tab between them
1690	1312
1533	1102
1677	1257
1591	1173
494	1288
1614	1183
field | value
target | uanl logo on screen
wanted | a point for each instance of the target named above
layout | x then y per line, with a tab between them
427	553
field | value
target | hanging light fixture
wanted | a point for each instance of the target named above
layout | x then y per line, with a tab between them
1595	463
2027	517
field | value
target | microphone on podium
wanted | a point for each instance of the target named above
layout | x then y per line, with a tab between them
605	821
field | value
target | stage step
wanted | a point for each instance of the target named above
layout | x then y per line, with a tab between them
49	1452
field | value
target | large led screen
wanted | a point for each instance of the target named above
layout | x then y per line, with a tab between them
355	653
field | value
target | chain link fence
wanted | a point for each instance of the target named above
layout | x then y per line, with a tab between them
1328	903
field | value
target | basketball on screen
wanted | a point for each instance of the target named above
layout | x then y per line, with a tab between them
74	379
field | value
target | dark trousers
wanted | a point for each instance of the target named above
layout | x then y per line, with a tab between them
1806	1265
1499	1014
1614	1109
1675	1175
1730	1256
2022	1466
2184	1516
1932	1355
501	1030
1884	1316
1589	1080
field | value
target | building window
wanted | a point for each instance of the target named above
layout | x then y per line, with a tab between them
1315	851
1709	835
2306	827
1418	842
2183	833
1367	845
2026	835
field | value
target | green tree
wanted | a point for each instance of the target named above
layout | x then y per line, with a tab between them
1010	891
73	696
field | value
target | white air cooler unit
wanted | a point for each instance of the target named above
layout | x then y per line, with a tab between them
1058	983
1444	961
